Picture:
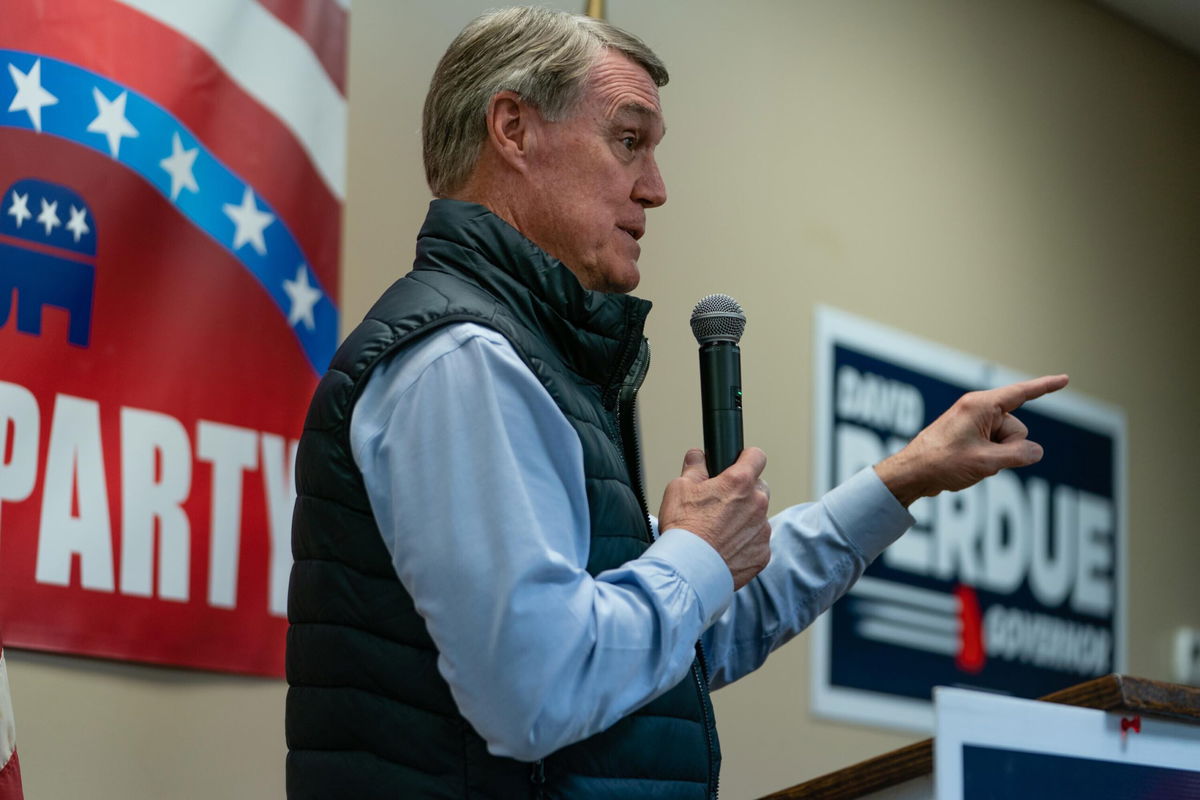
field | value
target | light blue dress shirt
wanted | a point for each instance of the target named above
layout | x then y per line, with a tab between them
476	481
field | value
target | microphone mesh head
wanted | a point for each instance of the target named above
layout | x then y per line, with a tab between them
718	318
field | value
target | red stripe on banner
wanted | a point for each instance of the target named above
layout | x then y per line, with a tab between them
10	780
158	62
48	249
324	25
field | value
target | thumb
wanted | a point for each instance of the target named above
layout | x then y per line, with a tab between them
1019	454
693	466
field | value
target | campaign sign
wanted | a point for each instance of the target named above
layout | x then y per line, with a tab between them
170	201
990	747
1015	585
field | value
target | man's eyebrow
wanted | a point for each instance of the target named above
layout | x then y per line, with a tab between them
647	113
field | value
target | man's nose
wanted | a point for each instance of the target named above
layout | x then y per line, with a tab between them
650	189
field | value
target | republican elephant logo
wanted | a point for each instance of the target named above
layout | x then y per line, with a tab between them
47	257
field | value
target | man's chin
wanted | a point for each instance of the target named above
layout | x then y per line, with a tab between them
611	281
627	277
625	283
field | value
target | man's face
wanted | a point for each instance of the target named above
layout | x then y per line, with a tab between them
594	175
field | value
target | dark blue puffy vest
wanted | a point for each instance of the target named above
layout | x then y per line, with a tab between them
368	714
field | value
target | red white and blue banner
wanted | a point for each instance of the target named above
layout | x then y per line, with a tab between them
172	176
1014	586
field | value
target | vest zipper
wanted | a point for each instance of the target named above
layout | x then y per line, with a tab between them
701	674
537	776
627	425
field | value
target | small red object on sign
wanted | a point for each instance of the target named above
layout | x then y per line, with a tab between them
1127	724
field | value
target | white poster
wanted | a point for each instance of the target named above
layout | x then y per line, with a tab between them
993	748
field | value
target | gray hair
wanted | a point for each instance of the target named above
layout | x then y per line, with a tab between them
541	54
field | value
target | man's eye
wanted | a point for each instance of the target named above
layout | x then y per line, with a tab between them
630	142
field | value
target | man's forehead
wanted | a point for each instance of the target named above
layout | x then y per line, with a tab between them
621	86
636	109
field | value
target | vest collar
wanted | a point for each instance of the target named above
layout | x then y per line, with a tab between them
599	334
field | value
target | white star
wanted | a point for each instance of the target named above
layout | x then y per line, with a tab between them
179	166
250	223
110	120
20	207
303	297
31	97
78	225
49	216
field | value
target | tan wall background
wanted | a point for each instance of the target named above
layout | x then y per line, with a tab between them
1018	179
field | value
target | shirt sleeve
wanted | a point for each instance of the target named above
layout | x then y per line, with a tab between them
818	551
476	481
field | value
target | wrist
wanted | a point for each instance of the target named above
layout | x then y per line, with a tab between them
901	475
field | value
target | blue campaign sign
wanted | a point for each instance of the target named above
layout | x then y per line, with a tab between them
993	773
1013	586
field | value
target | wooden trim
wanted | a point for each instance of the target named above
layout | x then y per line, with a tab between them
867	776
1128	694
1122	693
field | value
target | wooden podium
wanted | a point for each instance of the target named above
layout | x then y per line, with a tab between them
889	773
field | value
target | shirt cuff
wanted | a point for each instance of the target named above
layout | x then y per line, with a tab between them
867	513
700	566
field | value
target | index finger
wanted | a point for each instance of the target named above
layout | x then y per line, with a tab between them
1012	396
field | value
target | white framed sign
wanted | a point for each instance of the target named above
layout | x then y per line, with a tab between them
989	746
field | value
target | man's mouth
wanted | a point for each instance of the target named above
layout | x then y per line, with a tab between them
634	233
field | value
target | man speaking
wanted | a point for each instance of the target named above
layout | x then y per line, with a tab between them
481	604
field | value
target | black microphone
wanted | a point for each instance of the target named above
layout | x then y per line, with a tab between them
717	324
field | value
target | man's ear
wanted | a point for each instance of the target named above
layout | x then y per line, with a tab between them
511	128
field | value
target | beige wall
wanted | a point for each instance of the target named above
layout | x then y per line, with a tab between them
1015	178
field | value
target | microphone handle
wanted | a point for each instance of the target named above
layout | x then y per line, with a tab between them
721	404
